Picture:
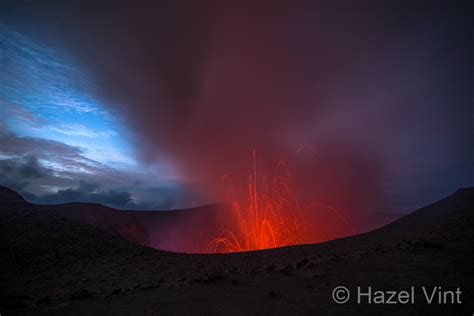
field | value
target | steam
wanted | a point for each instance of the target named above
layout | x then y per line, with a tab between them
378	94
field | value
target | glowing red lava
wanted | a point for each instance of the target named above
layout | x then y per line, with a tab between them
267	216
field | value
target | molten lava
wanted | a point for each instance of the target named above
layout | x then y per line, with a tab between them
267	216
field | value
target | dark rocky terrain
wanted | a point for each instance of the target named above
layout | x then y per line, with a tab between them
55	265
155	229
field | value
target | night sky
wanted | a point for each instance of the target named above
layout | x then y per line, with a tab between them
147	105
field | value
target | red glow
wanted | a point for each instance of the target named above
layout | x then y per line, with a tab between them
258	215
268	216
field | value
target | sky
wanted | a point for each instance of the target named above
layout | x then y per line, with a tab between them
147	105
59	143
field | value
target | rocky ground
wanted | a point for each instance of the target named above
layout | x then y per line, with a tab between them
54	265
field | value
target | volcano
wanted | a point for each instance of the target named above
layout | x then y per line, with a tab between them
184	230
52	264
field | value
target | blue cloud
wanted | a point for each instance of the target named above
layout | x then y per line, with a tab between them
48	96
51	122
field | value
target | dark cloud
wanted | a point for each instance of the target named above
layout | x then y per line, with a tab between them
54	151
88	192
17	173
23	171
161	199
66	163
26	167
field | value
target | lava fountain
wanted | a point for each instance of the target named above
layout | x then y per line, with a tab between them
266	215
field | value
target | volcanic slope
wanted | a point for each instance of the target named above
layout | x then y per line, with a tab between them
55	265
